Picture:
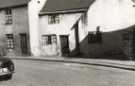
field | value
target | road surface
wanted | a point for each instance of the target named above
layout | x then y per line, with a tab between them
41	73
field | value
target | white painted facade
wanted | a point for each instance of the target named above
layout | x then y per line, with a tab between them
63	28
34	8
110	15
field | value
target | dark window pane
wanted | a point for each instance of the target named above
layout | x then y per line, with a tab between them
8	11
52	19
10	41
48	39
8	16
95	38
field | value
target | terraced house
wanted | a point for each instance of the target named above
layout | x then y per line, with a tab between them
14	27
59	26
56	20
89	28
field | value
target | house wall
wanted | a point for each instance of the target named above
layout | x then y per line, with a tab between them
19	25
111	16
65	27
34	8
113	46
2	35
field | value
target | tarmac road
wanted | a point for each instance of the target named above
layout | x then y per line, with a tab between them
42	73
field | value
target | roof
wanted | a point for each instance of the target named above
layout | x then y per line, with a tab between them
58	6
12	3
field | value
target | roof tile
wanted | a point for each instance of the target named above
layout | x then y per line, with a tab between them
65	5
12	3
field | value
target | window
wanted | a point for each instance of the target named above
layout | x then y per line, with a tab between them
8	17
48	39
85	19
10	41
95	37
54	39
53	19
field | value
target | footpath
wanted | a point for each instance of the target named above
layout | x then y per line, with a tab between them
122	64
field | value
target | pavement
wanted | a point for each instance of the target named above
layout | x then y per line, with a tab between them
121	64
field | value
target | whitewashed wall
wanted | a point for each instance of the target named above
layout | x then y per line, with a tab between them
33	9
65	27
111	15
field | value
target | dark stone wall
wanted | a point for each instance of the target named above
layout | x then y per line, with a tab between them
114	45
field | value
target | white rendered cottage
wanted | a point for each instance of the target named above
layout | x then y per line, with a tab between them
90	28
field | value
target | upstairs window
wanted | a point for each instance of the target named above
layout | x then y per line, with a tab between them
8	16
53	19
10	41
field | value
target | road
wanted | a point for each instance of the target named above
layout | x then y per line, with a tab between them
41	73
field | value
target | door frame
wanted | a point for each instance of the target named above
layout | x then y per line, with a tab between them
67	36
21	44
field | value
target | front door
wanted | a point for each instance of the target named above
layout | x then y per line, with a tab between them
64	45
23	44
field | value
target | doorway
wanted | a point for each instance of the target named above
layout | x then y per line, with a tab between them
23	44
64	45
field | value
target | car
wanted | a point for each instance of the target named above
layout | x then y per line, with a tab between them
6	67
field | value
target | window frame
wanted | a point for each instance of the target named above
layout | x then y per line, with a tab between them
49	39
10	41
53	19
94	37
8	16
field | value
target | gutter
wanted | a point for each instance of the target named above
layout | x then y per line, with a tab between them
64	12
15	6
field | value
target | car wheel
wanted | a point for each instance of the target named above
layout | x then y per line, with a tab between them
9	76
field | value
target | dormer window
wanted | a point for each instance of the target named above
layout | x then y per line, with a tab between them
53	19
8	16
